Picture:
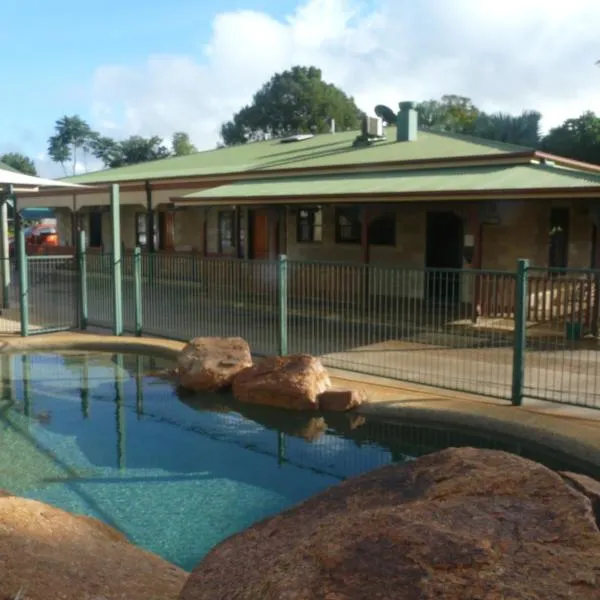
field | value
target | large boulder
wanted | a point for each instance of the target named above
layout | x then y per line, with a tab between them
293	382
457	524
209	364
48	553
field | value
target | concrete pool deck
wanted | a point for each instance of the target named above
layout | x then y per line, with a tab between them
571	429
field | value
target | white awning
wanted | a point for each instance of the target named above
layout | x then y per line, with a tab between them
28	181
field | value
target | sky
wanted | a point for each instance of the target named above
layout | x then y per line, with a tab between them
156	67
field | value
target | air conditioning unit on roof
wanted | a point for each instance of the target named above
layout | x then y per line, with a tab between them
374	127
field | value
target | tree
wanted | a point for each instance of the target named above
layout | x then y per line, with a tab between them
20	162
181	144
131	151
522	130
72	139
452	113
294	101
578	139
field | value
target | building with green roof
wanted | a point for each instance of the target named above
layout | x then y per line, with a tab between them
397	196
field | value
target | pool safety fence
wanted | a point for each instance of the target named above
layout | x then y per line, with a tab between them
527	333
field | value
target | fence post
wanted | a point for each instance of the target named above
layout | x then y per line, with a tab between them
22	266
137	282
282	280
117	266
83	290
521	296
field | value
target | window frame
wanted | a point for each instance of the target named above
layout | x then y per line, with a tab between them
312	227
223	217
356	238
387	216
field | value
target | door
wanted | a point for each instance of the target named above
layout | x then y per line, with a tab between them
95	228
444	256
260	236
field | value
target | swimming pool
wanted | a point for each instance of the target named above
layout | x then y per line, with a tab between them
98	434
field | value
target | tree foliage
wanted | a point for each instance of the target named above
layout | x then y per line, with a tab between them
182	145
71	141
578	139
522	130
294	101
74	141
452	113
131	151
20	162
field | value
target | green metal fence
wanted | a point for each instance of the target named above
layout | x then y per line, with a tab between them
527	333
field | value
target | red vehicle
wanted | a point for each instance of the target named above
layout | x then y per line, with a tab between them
38	239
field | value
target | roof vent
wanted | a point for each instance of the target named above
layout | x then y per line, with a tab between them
299	137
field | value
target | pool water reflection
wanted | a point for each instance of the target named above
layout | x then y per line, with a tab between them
98	434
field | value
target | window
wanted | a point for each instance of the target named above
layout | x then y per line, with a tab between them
382	230
226	230
348	225
310	225
559	238
141	230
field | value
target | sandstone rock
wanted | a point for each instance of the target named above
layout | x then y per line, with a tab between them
587	486
293	382
209	364
455	525
48	553
338	400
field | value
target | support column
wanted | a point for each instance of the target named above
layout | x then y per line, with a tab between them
475	257
117	266
149	219
595	264
4	248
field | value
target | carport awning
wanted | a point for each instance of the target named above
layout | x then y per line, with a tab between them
476	183
15	178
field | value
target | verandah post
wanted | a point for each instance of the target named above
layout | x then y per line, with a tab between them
117	266
137	281
22	267
521	296
83	290
4	248
282	286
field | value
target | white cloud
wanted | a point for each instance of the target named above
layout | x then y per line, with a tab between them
509	55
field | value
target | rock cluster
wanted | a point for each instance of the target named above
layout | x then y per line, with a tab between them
297	382
455	525
46	553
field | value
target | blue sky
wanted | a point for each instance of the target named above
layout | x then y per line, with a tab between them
50	51
144	67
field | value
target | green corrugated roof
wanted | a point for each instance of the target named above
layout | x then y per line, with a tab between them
402	182
320	151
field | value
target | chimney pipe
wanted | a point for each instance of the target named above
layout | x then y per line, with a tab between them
407	123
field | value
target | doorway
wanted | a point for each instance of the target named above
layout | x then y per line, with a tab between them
444	251
95	222
259	246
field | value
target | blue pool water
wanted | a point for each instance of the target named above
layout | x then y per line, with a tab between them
98	434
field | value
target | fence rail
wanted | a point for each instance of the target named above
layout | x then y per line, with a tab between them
531	333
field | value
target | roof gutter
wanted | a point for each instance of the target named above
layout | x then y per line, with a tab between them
451	195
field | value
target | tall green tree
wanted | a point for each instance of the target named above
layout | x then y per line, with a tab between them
294	101
578	139
20	162
133	150
522	130
182	145
71	142
452	113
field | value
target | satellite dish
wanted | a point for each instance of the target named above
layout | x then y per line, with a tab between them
385	113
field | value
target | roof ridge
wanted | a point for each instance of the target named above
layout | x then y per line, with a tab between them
465	137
